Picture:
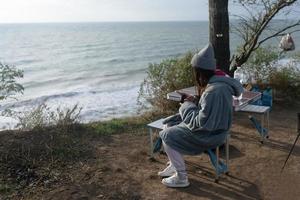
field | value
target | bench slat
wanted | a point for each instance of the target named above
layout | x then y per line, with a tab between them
157	124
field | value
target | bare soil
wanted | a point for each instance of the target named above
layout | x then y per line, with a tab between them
120	168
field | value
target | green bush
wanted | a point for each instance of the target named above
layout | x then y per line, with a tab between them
108	128
165	77
41	117
296	55
65	118
132	125
284	79
286	82
260	64
176	73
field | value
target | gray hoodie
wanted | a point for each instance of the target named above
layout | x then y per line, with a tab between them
204	126
214	111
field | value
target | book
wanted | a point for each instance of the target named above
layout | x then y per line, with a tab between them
176	96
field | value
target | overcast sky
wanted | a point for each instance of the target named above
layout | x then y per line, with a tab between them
19	11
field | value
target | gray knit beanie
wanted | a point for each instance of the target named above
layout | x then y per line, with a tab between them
205	59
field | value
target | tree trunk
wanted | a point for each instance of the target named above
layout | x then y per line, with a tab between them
219	32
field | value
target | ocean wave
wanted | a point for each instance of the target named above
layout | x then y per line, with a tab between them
90	56
120	60
43	82
103	54
162	56
37	101
90	47
141	58
82	53
113	76
69	95
85	46
82	78
22	62
96	105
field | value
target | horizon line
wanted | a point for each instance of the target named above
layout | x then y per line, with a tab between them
129	21
113	21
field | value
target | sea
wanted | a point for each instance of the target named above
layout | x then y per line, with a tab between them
99	66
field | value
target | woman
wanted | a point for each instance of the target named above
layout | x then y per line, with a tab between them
204	126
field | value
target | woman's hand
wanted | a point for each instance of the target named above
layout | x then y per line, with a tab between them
188	97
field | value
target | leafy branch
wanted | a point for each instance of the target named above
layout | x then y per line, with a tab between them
257	20
8	84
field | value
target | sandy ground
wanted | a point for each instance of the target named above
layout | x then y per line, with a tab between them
121	168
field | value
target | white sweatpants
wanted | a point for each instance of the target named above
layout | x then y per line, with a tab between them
176	160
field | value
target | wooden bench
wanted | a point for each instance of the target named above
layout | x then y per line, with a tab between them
219	166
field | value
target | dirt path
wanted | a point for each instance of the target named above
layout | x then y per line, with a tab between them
121	168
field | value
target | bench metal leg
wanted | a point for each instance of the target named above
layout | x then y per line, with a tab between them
263	132
268	123
217	165
227	152
262	126
151	142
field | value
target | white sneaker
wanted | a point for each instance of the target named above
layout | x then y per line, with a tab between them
174	181
168	171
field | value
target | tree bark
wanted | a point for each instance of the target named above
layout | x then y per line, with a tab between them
219	32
